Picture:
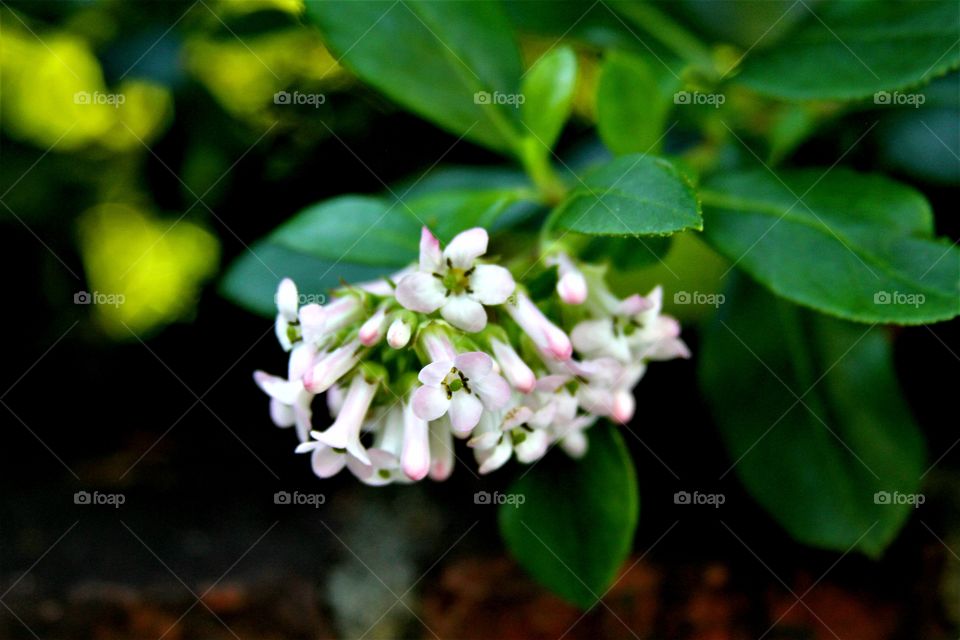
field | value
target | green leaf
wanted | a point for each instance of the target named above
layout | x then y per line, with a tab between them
442	60
815	463
548	91
634	98
630	196
856	246
447	213
576	524
850	50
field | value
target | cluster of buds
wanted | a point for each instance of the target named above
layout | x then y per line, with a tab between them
451	348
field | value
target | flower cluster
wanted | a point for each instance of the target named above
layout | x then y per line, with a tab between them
450	349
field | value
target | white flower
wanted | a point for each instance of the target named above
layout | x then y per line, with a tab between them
514	369
571	284
344	433
452	282
289	399
320	322
331	366
549	338
500	435
371	331
415	456
463	386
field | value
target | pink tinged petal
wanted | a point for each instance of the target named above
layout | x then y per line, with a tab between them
421	292
398	335
434	373
533	446
331	368
624	406
491	284
546	335
301	360
474	364
280	329
595	399
604	371
415	457
344	433
438	346
281	414
465	410
303	417
486	440
667	349
572	288
634	305
313	319
493	459
276	387
441	451
326	462
464	313
590	336
431	258
514	369
552	382
335	396
371	331
466	247
517	417
287	299
429	403
493	390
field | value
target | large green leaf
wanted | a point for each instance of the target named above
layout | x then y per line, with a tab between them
815	463
632	195
634	98
576	524
548	95
446	61
853	245
850	50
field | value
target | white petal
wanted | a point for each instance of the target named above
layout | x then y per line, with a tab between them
441	450
371	331
493	459
624	405
474	364
281	414
466	246
313	320
429	403
491	284
326	462
276	387
533	446
421	292
398	335
464	313
516	371
575	444
517	417
434	373
493	390
287	299
590	336
431	259
465	410
415	457
301	360
572	288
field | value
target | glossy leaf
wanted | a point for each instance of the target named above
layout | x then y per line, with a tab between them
853	245
823	465
576	524
632	195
